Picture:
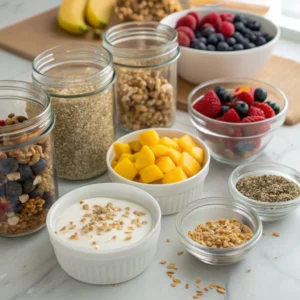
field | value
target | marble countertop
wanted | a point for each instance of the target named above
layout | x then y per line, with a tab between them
30	271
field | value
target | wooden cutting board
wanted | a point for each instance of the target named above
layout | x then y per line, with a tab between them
34	35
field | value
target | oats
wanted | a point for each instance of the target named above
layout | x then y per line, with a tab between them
63	228
85	206
144	222
276	233
213	285
128	238
174	284
168	241
206	289
180	253
127	208
83	220
198	285
94	243
187	286
114	237
81	202
198	280
72	227
162	262
221	291
176	280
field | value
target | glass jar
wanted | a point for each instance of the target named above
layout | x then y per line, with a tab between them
145	59
80	79
28	185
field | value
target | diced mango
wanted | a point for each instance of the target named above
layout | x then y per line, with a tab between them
113	163
160	150
159	181
121	148
186	143
174	155
151	173
149	138
198	154
135	146
126	155
166	141
189	165
144	158
174	175
126	169
165	164
135	156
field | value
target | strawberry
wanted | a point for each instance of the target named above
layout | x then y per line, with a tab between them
2	123
188	31
227	17
268	110
253	119
196	16
183	39
255	111
245	97
231	116
188	21
209	105
226	28
212	18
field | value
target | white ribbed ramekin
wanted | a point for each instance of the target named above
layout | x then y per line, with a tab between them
170	197
106	266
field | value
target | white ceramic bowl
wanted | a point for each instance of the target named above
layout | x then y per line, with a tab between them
170	197
106	266
198	66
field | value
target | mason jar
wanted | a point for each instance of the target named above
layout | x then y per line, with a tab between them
28	185
145	59
79	78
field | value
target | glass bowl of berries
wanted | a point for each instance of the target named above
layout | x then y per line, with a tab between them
236	118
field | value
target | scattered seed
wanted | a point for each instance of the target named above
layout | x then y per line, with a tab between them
176	280
198	280
276	233
187	286
162	262
213	285
206	289
198	285
221	291
249	270
81	202
168	241
128	238
180	253
173	284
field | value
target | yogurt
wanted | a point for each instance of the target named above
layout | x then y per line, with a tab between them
103	223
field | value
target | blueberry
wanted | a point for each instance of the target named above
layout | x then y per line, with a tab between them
8	165
275	106
260	41
224	96
260	95
231	41
240	27
208	31
251	37
253	25
212	39
202	40
211	48
198	34
27	186
241	108
37	192
13	190
243	147
222	46
224	110
237	47
3	179
25	171
218	89
268	37
40	166
220	37
238	37
17	207
2	190
249	45
240	18
196	44
246	41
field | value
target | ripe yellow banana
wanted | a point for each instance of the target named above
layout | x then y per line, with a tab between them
71	16
98	12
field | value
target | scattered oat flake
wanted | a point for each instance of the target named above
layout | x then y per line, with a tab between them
85	206
249	270
198	285
221	291
221	287
168	241
180	253
162	262
128	238
198	280
187	286
94	243
173	284
172	266
196	296
114	237
81	202
213	285
276	233
127	208
176	280
63	228
144	222
206	289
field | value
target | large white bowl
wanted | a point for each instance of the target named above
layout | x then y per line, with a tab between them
170	197
198	66
105	266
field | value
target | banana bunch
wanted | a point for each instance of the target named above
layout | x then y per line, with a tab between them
76	16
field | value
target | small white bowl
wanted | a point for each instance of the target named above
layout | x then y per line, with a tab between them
106	266
198	66
170	197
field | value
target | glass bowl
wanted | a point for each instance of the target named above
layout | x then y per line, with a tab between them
267	211
236	143
214	208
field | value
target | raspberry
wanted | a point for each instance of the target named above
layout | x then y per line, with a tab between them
2	123
196	16
255	111
209	105
212	18
245	97
268	110
188	21
230	116
206	25
4	207
227	17
226	28
254	129
188	31
253	119
183	39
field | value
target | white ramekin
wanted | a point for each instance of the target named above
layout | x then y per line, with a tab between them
170	197
106	266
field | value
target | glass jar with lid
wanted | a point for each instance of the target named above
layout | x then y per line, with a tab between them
28	185
79	78
145	59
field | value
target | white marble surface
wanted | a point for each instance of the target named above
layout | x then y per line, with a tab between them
29	269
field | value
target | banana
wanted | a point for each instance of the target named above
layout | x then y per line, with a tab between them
98	12
71	16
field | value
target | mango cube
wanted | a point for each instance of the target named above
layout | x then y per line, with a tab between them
134	156
198	154
160	150
151	173
189	165
186	143
113	163
165	164
144	158
127	155
149	138
126	169
135	146
174	155
174	175
166	141
121	148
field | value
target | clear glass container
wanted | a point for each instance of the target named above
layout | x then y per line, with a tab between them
267	211
28	185
145	58
80	79
215	208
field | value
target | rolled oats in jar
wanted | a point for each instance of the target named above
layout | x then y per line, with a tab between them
79	78
145	59
28	185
